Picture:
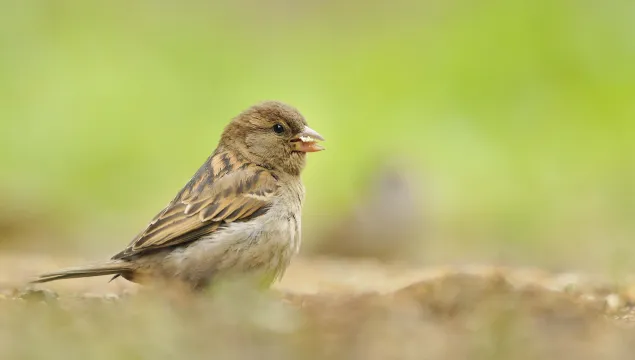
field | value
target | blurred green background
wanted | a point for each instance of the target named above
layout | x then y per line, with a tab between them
518	117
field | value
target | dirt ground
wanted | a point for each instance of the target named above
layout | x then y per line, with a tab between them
323	308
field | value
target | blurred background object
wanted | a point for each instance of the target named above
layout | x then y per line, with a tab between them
387	221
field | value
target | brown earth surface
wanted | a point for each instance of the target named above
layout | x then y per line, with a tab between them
324	308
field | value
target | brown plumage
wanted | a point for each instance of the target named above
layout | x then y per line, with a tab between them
239	213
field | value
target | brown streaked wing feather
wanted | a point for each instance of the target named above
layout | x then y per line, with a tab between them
220	192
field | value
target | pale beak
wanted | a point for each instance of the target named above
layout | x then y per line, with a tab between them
307	141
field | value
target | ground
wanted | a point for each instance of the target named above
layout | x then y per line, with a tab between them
325	308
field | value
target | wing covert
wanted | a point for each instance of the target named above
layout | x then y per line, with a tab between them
220	192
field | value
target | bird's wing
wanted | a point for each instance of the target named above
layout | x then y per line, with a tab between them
221	192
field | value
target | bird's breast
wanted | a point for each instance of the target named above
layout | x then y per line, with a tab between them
264	244
285	216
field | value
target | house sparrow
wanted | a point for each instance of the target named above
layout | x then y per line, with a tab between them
394	196
238	215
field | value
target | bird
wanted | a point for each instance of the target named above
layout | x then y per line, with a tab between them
240	214
395	195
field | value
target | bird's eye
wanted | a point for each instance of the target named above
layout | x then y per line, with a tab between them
278	129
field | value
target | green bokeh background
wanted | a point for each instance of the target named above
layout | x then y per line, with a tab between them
519	114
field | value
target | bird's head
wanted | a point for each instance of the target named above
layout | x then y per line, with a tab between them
272	134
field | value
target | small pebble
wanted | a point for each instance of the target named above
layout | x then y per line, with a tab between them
111	297
588	298
566	282
90	296
37	295
100	297
613	302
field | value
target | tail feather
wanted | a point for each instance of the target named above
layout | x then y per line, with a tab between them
108	268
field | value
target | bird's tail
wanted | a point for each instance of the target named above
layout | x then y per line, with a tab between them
113	267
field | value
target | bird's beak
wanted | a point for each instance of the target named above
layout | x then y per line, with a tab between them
307	141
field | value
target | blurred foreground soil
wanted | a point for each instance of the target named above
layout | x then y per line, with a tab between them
323	308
